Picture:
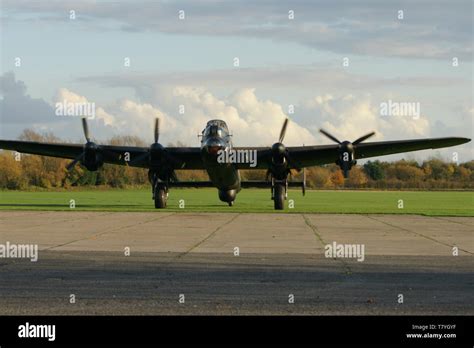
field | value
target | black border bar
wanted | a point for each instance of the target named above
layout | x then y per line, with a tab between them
135	330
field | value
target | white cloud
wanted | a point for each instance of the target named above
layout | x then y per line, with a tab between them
251	120
348	117
63	95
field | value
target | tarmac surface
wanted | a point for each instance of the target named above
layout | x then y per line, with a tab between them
228	263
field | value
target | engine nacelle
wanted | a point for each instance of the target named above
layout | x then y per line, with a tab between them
346	157
93	165
279	167
92	158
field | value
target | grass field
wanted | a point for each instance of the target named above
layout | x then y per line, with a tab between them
249	200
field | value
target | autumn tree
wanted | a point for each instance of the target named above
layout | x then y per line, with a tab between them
336	179
317	177
357	177
11	172
42	171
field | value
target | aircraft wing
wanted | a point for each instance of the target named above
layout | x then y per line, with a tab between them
307	156
189	156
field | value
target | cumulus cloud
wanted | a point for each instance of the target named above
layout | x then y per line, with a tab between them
349	117
17	106
63	95
251	120
254	121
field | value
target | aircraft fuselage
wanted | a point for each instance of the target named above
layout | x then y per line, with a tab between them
224	176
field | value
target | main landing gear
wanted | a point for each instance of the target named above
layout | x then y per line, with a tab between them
160	196
279	193
159	190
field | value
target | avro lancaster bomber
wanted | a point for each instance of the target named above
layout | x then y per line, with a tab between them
222	160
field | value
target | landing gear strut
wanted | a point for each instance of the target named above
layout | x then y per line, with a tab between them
160	191
160	196
279	192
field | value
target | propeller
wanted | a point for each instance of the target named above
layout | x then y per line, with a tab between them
279	153
71	165
363	138
283	130
280	156
156	153
157	129
89	155
346	150
85	128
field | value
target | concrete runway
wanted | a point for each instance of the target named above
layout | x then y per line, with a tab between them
82	253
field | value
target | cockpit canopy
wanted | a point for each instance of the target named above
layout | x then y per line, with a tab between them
218	123
216	128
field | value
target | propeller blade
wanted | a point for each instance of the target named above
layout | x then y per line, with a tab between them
85	127
283	130
157	129
71	165
333	138
365	137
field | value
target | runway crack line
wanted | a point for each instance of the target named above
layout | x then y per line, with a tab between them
209	236
111	230
453	221
419	234
316	232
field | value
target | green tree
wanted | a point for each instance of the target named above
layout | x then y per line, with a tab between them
374	170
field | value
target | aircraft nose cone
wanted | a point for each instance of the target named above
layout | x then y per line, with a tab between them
213	145
213	150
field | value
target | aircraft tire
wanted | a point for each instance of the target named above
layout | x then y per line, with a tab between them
160	198
279	197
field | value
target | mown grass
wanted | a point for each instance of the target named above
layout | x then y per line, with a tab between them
248	200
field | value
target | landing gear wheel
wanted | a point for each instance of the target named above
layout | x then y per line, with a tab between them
231	203
160	198
279	197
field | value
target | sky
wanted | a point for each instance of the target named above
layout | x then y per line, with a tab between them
323	64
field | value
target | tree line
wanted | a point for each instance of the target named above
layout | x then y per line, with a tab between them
32	171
